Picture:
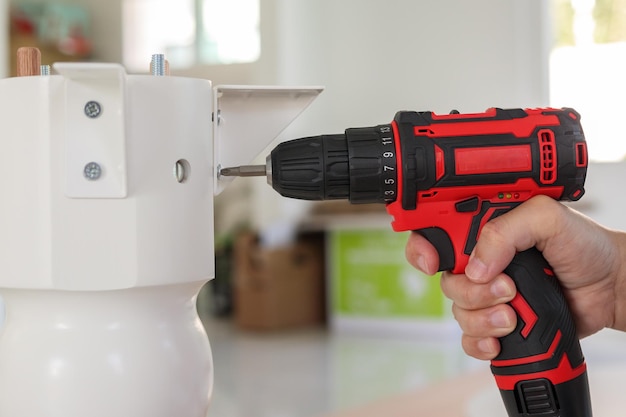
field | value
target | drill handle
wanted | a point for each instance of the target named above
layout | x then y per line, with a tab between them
541	368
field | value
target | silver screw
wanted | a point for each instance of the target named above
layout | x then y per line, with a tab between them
93	109
92	171
45	70
157	65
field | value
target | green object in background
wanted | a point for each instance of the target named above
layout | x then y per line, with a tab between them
371	278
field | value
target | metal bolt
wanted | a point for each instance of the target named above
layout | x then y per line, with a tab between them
92	171
45	70
93	109
157	65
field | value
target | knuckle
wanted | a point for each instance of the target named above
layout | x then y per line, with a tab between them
495	321
456	312
446	283
479	348
468	321
463	292
494	231
469	346
469	299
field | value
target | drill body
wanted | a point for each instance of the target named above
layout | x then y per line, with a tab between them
445	177
456	172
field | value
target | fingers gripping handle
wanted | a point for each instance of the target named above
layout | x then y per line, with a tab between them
540	370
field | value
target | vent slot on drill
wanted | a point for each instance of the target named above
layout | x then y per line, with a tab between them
581	155
548	156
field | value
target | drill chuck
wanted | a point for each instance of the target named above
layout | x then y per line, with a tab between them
359	165
312	168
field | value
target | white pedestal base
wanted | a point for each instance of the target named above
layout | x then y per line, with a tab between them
140	352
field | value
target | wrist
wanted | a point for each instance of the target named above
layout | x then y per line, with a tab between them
619	281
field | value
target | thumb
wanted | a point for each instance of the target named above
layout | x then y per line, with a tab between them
530	224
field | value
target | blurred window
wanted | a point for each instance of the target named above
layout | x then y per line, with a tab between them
587	70
190	32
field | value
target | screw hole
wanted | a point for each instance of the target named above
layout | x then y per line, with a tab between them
182	169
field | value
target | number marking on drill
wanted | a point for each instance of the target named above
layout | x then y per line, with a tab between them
389	156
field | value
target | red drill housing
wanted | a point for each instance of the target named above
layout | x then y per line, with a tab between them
458	171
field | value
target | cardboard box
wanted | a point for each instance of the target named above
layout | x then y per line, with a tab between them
281	287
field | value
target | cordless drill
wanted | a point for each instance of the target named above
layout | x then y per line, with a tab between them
444	177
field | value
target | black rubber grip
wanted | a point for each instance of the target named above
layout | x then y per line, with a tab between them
313	168
541	370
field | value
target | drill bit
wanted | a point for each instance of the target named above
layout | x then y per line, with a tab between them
245	171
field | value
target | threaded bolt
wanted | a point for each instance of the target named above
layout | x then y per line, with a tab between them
157	65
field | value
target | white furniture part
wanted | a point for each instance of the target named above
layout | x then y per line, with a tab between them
106	234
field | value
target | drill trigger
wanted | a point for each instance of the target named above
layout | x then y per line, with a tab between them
442	242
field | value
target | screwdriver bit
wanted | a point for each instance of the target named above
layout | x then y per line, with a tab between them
244	171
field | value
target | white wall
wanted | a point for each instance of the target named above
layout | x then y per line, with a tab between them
601	202
376	57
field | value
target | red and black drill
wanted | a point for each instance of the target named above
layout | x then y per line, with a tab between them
445	176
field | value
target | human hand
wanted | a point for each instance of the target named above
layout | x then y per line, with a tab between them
587	258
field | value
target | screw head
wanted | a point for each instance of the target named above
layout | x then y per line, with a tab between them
92	171
93	109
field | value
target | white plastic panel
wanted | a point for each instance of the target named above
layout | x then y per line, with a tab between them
100	139
248	118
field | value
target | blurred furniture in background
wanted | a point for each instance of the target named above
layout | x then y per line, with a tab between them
61	32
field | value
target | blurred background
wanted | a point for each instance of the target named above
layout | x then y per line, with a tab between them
314	310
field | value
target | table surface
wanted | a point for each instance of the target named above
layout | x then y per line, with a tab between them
449	398
475	395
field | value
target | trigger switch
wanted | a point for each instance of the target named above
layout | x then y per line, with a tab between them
441	241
